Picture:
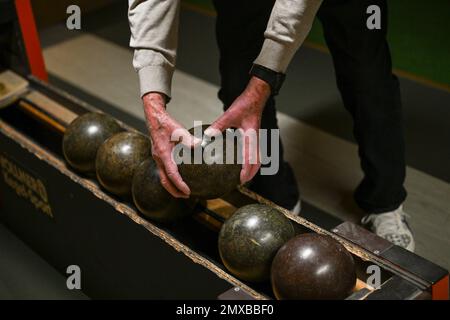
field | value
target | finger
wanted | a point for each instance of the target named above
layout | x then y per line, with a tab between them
249	172
169	186
166	182
183	136
251	137
222	123
175	177
244	172
251	155
246	166
253	171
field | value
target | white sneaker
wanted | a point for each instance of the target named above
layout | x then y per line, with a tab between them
391	226
297	208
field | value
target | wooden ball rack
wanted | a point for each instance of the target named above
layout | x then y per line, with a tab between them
124	255
69	220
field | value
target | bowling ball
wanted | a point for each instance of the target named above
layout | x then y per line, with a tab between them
152	200
117	159
313	267
212	177
84	136
250	238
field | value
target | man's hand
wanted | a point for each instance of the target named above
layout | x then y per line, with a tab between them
244	114
161	127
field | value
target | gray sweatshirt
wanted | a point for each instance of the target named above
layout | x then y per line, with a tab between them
154	37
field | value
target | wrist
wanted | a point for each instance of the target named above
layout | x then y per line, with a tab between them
154	109
258	88
154	101
272	78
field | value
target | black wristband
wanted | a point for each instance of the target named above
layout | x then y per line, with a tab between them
273	78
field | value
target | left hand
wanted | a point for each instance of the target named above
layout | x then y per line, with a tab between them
244	114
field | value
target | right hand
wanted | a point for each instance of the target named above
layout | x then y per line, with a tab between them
161	126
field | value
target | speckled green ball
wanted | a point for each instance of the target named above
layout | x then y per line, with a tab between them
250	238
152	200
213	177
117	159
83	138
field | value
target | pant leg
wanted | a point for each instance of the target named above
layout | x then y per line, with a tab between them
240	27
371	94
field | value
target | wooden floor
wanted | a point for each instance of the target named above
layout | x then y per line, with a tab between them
327	167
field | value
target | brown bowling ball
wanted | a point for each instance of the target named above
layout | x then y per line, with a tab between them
152	200
211	179
313	267
250	238
84	136
118	158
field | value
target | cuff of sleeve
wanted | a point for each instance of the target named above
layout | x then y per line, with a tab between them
155	79
275	55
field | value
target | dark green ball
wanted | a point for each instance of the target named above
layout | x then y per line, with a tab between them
152	200
211	179
250	238
117	159
83	138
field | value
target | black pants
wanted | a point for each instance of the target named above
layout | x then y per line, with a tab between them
369	90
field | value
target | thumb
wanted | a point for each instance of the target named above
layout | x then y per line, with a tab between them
182	135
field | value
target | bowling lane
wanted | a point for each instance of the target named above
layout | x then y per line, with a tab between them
326	166
122	87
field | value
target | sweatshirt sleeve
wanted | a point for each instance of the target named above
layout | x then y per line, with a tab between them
289	24
154	37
